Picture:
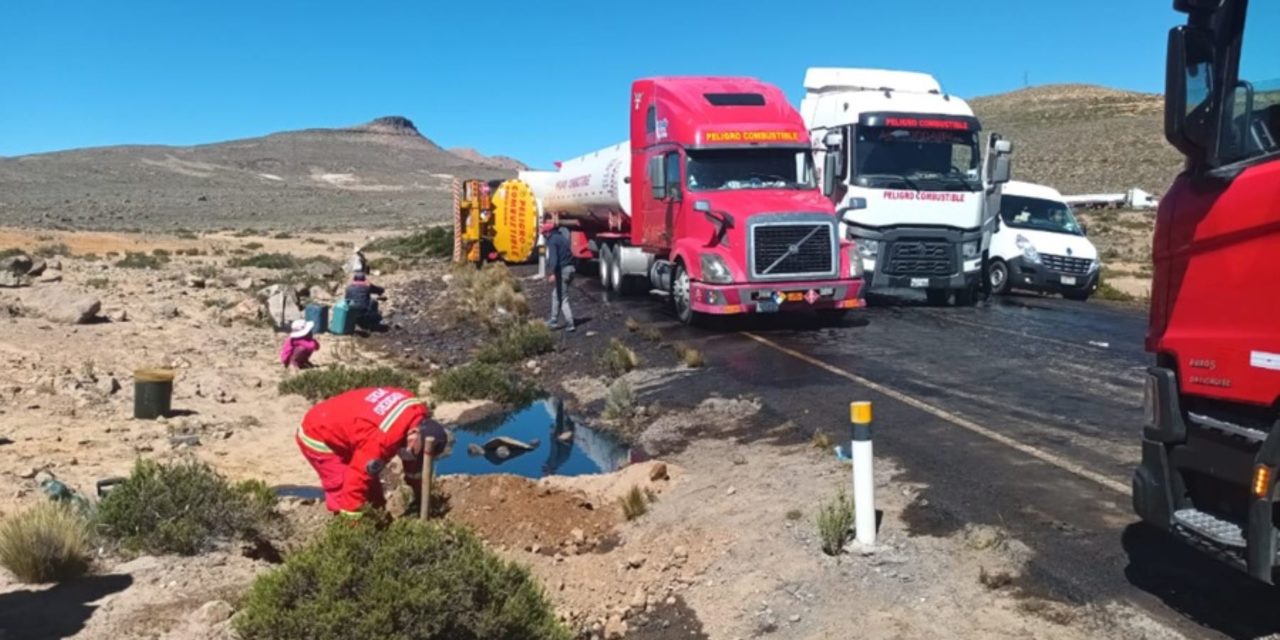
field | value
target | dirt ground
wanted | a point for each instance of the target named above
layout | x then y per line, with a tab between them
728	548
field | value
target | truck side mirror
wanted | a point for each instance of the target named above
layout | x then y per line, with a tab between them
1000	160
829	170
658	177
1189	85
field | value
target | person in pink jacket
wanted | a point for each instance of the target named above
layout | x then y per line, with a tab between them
298	347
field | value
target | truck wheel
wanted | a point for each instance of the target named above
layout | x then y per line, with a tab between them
998	276
681	292
617	281
604	260
937	297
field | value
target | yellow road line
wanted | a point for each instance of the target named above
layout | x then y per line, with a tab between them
963	423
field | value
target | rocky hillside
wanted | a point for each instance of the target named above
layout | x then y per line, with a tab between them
1083	138
501	162
381	173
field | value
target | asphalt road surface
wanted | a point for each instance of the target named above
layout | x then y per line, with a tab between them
1023	413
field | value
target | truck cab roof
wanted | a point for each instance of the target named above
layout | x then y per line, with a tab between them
836	96
714	111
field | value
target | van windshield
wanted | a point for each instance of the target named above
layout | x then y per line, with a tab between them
1036	213
919	159
731	169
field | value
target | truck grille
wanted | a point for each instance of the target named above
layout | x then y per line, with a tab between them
799	249
1065	264
921	258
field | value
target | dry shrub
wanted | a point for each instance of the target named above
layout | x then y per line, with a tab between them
47	543
620	401
835	520
518	342
490	296
322	384
635	503
632	325
482	381
994	580
690	356
617	359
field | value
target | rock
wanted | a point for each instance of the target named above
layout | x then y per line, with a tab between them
18	265
531	364
578	536
658	472
140	564
282	304
107	385
730	491
321	295
635	562
638	599
55	264
64	305
247	311
212	612
119	315
244	283
190	440
565	436
195	282
319	269
680	552
795	617
166	310
615	627
50	277
13	280
38	267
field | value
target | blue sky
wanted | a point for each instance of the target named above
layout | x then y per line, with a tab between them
540	80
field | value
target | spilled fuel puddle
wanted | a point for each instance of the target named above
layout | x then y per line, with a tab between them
533	442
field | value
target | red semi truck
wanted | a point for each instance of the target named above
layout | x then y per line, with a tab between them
712	202
1211	442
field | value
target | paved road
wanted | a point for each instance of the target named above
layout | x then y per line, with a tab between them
1022	413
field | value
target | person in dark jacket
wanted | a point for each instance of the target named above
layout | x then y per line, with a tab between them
362	307
559	273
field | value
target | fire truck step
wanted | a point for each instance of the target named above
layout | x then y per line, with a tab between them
1206	525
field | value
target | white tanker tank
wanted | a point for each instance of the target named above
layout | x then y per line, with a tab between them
592	189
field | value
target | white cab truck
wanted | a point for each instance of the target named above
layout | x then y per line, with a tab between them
902	163
1040	246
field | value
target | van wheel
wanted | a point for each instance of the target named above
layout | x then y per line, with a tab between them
998	276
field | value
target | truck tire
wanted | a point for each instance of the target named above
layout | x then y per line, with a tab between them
937	297
681	291
617	281
998	276
604	261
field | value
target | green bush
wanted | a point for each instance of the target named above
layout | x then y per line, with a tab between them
11	252
268	261
283	235
436	242
617	359
245	233
620	401
411	580
518	342
47	543
253	246
490	296
481	381
183	508
138	260
835	519
321	384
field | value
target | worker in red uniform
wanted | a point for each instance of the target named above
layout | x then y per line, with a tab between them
350	438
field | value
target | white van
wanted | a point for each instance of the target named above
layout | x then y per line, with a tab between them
1040	246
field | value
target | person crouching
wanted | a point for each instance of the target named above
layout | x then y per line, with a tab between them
299	346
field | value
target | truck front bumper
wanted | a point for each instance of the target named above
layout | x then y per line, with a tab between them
773	297
956	281
1027	275
1195	480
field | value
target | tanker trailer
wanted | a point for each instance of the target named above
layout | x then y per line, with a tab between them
712	202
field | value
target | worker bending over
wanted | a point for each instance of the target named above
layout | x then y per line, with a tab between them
360	301
350	438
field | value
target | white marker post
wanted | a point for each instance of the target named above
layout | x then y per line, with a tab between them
864	493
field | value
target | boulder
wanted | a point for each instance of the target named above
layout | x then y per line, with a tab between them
17	265
247	311
49	277
38	267
62	304
166	310
13	280
319	269
282	304
195	282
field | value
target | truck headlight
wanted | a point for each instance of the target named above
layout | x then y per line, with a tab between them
714	270
1028	250
868	249
969	250
1094	265
855	261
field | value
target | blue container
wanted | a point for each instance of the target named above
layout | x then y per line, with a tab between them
340	319
318	315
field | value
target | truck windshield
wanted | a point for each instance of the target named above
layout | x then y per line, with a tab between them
1251	117
1038	214
731	169
920	159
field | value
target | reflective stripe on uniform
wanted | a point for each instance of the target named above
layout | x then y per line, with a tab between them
395	413
312	443
350	515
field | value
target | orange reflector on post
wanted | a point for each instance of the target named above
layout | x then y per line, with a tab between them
860	412
1261	481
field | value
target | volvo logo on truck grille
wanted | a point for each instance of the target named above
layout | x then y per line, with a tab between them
789	249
